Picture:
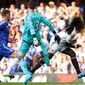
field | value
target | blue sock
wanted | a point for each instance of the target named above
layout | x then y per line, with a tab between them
23	66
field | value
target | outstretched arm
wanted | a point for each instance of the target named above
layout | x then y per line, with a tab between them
46	22
72	45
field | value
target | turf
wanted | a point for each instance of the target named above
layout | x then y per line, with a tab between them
55	83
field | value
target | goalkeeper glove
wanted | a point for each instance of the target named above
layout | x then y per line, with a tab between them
56	37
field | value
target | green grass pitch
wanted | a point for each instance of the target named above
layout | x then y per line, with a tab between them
55	83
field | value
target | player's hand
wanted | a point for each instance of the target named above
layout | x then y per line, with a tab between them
77	46
57	38
35	41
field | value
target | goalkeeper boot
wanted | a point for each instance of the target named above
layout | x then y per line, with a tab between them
28	78
28	74
80	75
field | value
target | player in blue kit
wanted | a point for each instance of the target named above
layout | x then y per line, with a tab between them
6	51
4	35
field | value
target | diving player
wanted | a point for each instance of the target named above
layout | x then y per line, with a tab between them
65	45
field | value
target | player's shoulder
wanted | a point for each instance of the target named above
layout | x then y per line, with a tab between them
26	18
27	15
36	14
3	23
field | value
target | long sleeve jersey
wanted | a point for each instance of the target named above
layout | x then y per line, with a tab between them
4	32
32	22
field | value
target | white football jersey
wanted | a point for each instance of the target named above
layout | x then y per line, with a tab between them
65	37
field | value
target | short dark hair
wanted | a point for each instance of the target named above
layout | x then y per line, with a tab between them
5	12
32	4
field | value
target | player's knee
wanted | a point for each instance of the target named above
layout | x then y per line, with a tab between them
73	55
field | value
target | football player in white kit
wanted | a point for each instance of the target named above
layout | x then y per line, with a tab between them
64	45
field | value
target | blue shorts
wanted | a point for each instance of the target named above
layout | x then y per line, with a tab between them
5	51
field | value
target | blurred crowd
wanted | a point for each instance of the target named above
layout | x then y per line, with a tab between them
60	17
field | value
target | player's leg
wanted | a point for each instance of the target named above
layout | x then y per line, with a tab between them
28	74
23	50
9	53
72	54
41	62
11	64
52	50
46	57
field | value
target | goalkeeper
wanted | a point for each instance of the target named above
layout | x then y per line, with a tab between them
31	33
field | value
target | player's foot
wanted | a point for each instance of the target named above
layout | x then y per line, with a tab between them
28	78
23	84
80	75
8	75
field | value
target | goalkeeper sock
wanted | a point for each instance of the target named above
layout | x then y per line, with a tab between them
46	57
23	66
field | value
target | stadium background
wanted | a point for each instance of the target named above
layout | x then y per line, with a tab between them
61	66
6	3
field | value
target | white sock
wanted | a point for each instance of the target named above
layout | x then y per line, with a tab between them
11	63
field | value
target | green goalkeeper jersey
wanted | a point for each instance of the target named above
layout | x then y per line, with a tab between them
32	22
